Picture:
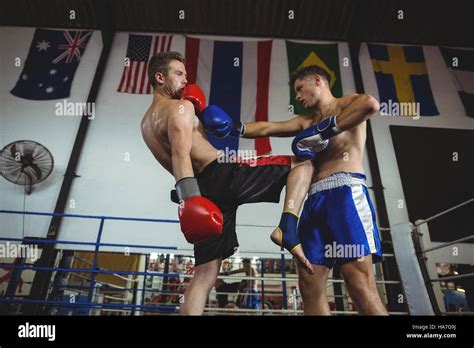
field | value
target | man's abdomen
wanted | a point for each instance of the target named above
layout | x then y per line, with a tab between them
344	162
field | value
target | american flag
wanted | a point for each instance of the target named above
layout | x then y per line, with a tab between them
139	50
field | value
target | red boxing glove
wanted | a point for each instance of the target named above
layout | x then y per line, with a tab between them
196	96
200	219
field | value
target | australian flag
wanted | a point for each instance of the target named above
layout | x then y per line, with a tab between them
51	64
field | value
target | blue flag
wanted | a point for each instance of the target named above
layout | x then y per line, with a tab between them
226	86
51	64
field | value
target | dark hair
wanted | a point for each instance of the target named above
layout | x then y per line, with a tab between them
160	63
308	70
246	261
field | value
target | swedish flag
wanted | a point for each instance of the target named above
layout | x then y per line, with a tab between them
402	76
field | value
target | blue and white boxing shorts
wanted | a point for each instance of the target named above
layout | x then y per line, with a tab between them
337	224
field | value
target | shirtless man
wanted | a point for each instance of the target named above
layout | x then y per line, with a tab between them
250	292
248	297
338	220
209	191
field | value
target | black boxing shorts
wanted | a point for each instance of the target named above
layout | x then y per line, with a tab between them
229	185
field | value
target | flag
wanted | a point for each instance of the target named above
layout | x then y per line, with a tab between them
51	64
325	56
140	49
235	76
402	77
461	64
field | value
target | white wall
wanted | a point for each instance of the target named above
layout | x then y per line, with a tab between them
22	119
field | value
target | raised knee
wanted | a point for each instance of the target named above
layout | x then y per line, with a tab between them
308	165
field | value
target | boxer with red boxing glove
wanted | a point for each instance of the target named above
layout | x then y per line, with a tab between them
209	192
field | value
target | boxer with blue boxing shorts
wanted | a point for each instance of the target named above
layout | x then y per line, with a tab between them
338	221
337	224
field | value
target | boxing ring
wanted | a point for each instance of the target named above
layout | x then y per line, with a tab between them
418	272
92	298
425	248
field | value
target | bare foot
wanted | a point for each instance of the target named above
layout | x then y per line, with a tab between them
297	252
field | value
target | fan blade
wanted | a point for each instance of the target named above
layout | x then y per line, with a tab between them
37	171
13	150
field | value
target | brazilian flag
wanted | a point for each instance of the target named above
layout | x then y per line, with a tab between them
326	56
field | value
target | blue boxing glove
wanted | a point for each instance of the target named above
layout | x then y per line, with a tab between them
220	124
314	139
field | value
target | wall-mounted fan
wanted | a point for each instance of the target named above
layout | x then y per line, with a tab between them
26	162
